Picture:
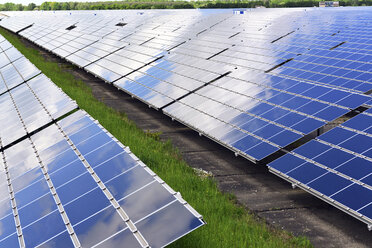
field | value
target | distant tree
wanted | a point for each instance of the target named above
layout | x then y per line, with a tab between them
55	6
83	6
9	6
97	6
31	6
19	7
73	5
45	6
65	6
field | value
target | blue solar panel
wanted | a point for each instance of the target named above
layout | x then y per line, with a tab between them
335	167
360	122
89	185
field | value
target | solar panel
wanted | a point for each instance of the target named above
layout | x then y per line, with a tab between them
259	83
255	119
15	26
87	55
26	106
8	56
322	69
30	106
74	178
65	181
164	81
336	167
16	73
74	43
4	44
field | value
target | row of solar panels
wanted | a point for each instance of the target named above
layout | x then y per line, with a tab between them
66	182
205	47
335	166
259	83
160	78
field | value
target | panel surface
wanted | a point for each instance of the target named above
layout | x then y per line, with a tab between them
256	114
31	106
336	166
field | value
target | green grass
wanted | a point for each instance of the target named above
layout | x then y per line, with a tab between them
229	225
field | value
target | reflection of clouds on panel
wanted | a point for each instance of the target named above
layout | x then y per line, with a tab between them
159	100
37	209
167	224
7	226
10	126
145	201
99	227
47	138
123	237
26	179
20	157
5	206
127	183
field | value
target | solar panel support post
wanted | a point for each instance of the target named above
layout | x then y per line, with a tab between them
369	227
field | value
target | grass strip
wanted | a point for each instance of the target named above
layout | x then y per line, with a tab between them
229	224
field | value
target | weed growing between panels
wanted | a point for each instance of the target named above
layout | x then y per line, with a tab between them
229	225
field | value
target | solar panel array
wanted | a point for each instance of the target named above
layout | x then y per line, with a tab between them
66	182
260	83
335	166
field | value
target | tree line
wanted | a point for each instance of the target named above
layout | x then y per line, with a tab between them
164	4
